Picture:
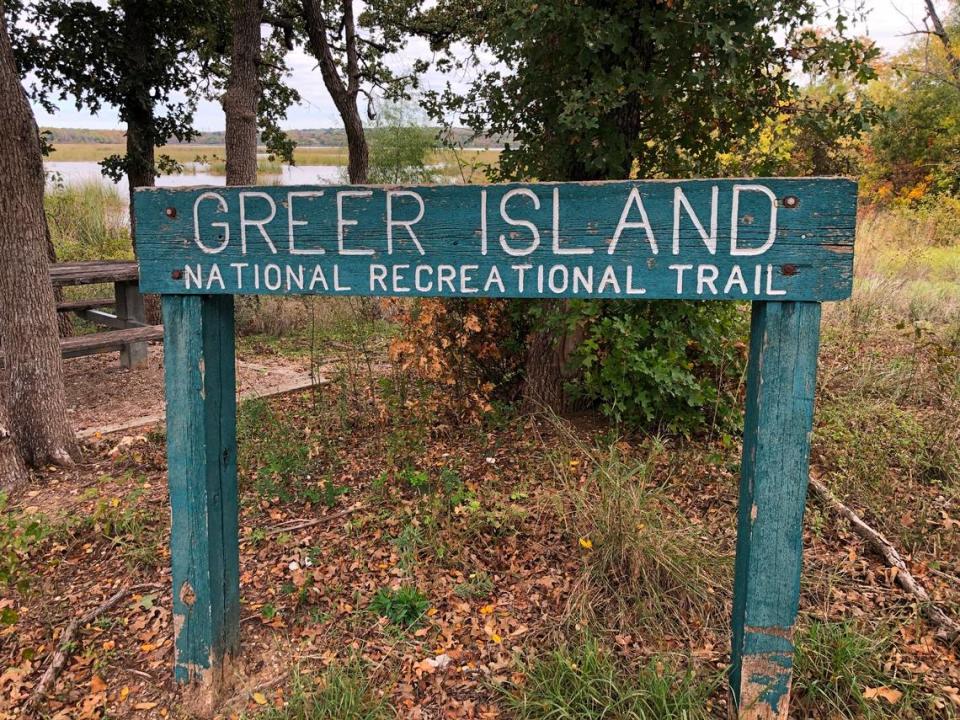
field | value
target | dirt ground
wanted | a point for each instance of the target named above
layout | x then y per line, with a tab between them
104	397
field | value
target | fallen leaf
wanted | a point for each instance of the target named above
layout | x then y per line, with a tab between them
259	698
891	695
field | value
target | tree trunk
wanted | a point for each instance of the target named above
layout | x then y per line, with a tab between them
36	403
546	370
343	93
64	322
138	110
242	96
358	153
13	472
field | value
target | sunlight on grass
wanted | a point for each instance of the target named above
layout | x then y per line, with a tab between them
341	693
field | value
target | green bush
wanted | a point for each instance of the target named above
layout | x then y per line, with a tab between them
664	363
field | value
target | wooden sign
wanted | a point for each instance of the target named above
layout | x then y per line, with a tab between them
784	244
696	239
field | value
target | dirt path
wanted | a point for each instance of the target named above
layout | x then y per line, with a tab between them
102	397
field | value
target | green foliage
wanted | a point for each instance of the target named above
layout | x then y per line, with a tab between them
400	149
585	682
916	150
343	692
18	536
271	451
835	663
607	90
87	221
674	364
405	607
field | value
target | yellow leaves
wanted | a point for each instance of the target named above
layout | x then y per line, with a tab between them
487	609
586	543
124	693
259	698
891	695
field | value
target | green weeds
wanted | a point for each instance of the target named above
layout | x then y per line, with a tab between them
404	607
834	667
342	692
585	683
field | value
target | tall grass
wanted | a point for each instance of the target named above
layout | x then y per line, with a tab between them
645	567
88	221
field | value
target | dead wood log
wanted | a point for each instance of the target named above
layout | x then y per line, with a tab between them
947	629
64	648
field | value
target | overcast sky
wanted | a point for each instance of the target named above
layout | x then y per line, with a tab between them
888	22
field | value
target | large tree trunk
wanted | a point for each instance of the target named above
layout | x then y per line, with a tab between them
36	403
343	92
13	471
243	93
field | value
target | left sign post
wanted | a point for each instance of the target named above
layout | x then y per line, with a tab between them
201	454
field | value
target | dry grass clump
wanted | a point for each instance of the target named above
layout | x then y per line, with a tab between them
646	568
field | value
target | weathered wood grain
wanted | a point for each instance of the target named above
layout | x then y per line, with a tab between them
110	340
86	304
355	239
89	273
201	455
781	378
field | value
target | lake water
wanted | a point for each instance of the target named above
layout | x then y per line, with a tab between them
72	173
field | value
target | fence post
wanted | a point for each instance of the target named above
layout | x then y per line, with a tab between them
201	457
781	379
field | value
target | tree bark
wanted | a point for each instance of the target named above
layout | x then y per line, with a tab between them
242	96
953	59
138	111
13	471
546	370
36	401
343	93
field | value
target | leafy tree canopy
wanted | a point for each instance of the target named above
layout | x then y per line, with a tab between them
597	90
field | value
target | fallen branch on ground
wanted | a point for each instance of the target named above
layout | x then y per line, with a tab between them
947	628
291	525
65	649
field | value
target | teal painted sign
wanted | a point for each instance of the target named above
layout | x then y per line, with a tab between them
758	239
784	244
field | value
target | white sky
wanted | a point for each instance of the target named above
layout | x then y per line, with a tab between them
888	23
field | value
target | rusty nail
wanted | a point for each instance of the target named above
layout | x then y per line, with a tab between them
790	201
171	212
177	274
789	270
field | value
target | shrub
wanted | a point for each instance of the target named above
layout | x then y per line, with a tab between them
669	363
666	363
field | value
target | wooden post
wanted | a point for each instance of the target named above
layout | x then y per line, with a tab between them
129	308
781	379
201	457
